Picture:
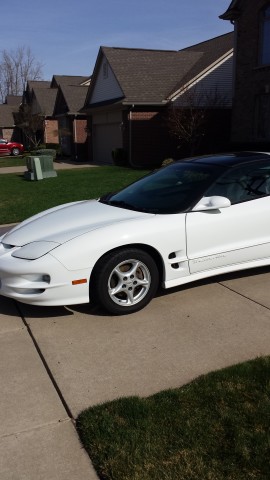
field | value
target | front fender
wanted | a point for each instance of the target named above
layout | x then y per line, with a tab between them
164	233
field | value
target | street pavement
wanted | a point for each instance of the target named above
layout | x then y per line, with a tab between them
57	361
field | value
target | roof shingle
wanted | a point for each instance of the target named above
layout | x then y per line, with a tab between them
150	76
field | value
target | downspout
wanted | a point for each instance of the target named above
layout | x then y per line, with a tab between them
75	136
45	130
130	137
235	52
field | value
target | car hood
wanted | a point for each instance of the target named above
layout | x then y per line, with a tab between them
62	223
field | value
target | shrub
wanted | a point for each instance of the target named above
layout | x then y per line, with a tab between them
119	156
46	151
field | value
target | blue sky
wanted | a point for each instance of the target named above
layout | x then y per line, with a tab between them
65	35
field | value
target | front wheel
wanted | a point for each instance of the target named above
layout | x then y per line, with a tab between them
15	152
125	281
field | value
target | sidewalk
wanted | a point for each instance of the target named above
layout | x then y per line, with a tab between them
38	440
57	166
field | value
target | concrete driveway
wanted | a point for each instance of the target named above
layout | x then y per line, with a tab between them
57	361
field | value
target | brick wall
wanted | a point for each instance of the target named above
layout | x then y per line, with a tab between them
81	131
80	149
7	133
51	131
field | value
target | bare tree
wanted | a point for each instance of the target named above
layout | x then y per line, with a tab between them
32	125
189	120
16	68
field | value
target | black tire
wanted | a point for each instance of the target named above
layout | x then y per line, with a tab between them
15	152
124	281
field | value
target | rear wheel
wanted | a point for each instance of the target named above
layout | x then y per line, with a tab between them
125	281
15	151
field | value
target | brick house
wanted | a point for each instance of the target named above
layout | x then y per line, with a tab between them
132	89
251	104
8	129
72	123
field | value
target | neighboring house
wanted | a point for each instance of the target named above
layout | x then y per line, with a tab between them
72	123
251	104
58	102
8	129
40	98
132	89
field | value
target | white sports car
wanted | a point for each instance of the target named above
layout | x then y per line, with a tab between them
195	218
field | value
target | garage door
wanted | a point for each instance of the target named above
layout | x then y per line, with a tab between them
106	137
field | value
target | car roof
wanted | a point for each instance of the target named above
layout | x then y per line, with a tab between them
229	159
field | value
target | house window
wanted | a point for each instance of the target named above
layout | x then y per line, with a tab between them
262	117
265	36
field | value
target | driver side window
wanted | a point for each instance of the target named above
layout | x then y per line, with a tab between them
244	183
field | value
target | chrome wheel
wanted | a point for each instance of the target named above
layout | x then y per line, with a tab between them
129	282
124	281
15	152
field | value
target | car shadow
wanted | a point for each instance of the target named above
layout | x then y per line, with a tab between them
13	308
252	272
97	311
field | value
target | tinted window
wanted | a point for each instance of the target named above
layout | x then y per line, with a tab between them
241	184
173	189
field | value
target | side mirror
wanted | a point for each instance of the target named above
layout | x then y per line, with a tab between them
212	203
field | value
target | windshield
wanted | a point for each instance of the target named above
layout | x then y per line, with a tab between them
172	189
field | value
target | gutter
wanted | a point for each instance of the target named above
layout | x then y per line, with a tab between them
147	104
231	15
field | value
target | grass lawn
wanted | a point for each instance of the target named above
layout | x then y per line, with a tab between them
20	198
215	428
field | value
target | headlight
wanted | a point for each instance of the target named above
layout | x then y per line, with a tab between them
34	250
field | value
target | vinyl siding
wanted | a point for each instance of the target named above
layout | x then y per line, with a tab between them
106	87
214	89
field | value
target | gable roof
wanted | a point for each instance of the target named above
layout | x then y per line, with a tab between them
40	91
45	98
144	76
147	75
73	96
150	76
31	86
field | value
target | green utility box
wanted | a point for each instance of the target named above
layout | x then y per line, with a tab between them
39	167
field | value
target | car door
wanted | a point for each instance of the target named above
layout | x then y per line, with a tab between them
239	233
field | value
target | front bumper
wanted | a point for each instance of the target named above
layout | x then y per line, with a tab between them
44	281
